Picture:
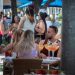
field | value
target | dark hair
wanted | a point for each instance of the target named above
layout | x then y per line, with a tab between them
43	17
54	28
30	11
17	18
1	14
5	16
13	21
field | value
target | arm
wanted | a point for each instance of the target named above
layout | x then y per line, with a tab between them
20	26
2	28
40	55
40	27
59	51
9	46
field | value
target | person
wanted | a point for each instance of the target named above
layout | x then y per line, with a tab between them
50	39
28	21
26	47
5	22
16	23
9	50
41	27
8	32
6	27
12	45
1	27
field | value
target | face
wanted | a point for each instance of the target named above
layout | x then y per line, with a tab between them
16	19
50	33
4	18
31	18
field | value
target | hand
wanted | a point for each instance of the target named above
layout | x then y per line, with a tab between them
41	55
38	29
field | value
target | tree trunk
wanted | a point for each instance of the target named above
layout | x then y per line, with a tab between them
14	8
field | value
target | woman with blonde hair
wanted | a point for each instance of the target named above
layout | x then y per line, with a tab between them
26	47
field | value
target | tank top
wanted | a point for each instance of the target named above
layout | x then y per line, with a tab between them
45	51
28	25
42	36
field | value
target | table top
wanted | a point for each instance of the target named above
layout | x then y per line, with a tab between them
50	60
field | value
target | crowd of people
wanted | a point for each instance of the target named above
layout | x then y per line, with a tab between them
25	34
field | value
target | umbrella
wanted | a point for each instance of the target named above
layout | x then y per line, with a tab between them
24	3
56	3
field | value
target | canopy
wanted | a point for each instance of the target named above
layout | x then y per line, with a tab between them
24	3
55	3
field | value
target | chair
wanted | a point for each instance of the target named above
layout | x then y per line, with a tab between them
25	66
7	68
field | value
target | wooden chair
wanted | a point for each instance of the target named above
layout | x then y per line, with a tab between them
25	66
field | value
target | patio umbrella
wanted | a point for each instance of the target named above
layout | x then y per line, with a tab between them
50	3
56	3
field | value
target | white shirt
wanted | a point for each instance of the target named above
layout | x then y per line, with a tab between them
28	25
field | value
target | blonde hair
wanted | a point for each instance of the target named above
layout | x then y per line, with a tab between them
12	45
26	42
17	36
